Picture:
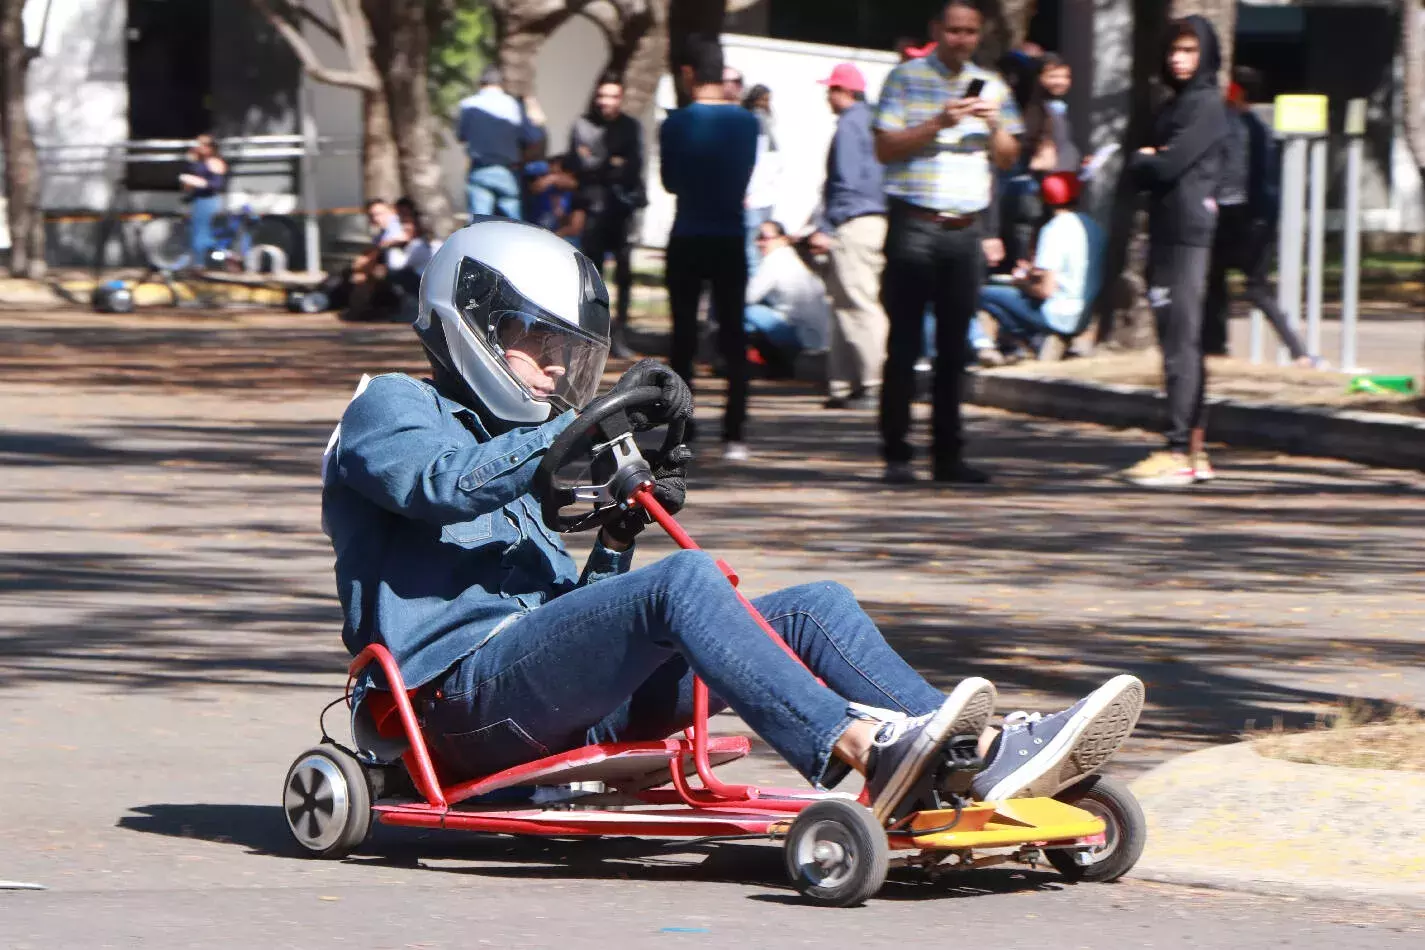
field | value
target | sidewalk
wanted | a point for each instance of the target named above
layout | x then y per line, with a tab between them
1232	818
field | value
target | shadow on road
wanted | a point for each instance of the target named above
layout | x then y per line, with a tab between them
262	830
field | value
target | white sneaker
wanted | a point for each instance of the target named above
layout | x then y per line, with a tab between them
735	452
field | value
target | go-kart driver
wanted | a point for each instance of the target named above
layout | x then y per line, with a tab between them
443	556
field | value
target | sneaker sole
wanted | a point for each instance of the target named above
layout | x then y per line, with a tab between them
1184	480
1082	747
967	710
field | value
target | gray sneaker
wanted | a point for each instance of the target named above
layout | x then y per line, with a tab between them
1040	756
904	749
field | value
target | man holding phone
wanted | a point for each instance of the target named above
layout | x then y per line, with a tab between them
943	126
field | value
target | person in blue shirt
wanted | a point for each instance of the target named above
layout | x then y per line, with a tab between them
1052	296
443	557
498	134
707	152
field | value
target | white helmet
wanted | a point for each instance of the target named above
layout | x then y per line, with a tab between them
501	286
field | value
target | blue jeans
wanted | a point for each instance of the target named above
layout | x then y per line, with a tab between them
201	212
1018	315
975	337
760	318
492	187
614	662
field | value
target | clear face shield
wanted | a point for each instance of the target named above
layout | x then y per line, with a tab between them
551	359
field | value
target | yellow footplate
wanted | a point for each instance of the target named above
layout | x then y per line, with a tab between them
999	824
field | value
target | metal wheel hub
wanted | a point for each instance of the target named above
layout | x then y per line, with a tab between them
826	854
316	802
1101	852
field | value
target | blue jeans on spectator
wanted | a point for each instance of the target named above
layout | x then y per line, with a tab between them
975	336
614	662
760	318
752	221
493	187
201	212
1019	316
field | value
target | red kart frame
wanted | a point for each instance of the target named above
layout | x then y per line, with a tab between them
715	808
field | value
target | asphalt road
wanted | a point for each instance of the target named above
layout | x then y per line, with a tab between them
168	634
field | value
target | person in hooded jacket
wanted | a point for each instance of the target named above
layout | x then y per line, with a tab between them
1181	170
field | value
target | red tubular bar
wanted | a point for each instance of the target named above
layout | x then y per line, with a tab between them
424	774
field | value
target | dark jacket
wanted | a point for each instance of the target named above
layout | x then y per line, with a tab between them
607	157
855	181
1190	136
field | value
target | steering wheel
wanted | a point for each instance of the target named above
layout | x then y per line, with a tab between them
603	431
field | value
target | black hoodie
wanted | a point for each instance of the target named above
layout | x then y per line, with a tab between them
1190	134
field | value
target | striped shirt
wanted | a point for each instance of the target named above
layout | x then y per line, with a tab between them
953	175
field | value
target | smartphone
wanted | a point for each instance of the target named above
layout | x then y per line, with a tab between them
973	91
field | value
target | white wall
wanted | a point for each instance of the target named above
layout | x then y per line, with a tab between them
78	98
804	123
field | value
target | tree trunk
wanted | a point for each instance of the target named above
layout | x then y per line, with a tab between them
522	27
380	161
1006	26
402	52
1412	48
641	57
22	164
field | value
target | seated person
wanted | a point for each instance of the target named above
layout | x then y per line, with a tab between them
1053	295
787	311
368	287
407	262
553	199
442	556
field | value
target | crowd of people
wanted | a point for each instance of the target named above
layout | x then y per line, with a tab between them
949	231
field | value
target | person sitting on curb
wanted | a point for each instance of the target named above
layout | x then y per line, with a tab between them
787	311
443	556
1051	296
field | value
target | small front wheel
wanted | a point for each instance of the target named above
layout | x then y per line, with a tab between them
837	854
1125	832
327	801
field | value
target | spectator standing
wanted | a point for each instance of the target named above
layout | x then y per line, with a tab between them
851	229
762	189
203	180
1182	171
606	152
786	310
499	135
1053	295
939	144
707	151
1249	204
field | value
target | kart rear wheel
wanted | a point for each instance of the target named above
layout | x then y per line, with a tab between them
1125	831
327	802
837	854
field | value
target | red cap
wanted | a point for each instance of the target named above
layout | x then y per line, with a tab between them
846	76
1060	188
921	52
1236	94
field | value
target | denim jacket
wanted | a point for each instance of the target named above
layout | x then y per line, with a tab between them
438	541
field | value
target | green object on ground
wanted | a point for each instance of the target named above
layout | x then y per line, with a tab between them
1383	384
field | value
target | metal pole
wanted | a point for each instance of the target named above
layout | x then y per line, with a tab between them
309	182
1351	266
1316	254
1291	237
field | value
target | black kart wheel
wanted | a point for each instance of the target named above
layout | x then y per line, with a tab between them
837	854
1125	832
327	802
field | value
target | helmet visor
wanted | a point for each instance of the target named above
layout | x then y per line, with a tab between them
553	361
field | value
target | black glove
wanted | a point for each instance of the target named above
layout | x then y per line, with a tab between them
676	401
670	488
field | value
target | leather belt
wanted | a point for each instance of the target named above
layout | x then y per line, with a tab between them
943	219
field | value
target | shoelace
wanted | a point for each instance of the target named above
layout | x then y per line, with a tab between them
891	732
1020	719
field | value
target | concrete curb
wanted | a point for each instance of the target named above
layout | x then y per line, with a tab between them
1372	438
1229	818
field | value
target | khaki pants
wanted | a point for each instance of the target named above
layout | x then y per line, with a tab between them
858	334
